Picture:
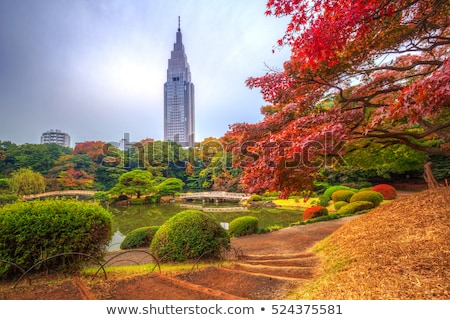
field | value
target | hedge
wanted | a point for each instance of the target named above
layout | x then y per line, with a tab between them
139	238
342	195
189	234
375	197
355	207
242	226
33	231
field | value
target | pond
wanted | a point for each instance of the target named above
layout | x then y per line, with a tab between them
128	218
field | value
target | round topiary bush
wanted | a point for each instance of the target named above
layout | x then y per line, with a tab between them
330	190
138	238
342	195
314	212
355	207
243	226
189	234
388	191
31	232
375	197
339	204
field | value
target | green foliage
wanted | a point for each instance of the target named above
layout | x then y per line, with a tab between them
134	182
255	197
7	198
101	196
330	190
33	231
319	219
156	198
139	238
314	212
170	186
375	197
189	234
383	160
339	204
355	207
440	167
26	181
137	201
342	195
242	226
4	184
323	200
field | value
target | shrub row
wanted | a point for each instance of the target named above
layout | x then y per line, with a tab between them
34	231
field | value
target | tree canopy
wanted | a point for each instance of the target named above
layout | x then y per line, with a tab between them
364	69
134	182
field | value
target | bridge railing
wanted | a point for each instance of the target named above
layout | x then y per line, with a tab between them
61	193
214	194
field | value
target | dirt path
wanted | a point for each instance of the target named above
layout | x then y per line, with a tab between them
267	267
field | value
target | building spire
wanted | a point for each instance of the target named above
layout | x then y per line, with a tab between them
179	28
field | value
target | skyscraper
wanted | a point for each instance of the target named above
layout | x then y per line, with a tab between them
179	117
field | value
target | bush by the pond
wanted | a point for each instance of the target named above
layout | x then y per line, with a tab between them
355	207
375	197
33	231
314	212
242	226
139	238
189	234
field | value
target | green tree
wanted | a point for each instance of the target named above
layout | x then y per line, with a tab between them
136	182
26	181
170	186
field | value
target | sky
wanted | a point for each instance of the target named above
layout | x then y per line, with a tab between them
96	68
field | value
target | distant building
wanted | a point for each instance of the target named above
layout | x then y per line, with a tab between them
179	125
56	136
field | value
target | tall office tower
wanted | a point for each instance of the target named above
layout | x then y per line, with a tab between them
179	118
56	136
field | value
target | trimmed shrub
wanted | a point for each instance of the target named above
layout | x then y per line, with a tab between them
137	201
255	197
139	238
314	212
242	226
342	195
189	234
329	191
323	200
7	198
339	204
33	231
388	191
355	207
375	197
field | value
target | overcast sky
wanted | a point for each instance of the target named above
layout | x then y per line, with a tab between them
96	68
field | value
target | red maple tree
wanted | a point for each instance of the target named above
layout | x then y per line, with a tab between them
364	69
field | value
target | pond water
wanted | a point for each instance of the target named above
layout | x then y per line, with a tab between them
128	218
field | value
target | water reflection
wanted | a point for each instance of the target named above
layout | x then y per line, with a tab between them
128	218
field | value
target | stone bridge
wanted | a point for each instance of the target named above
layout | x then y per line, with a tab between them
214	195
63	193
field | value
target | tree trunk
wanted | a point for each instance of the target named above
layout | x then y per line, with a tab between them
429	176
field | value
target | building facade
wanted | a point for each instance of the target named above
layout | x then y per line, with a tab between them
179	116
56	136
